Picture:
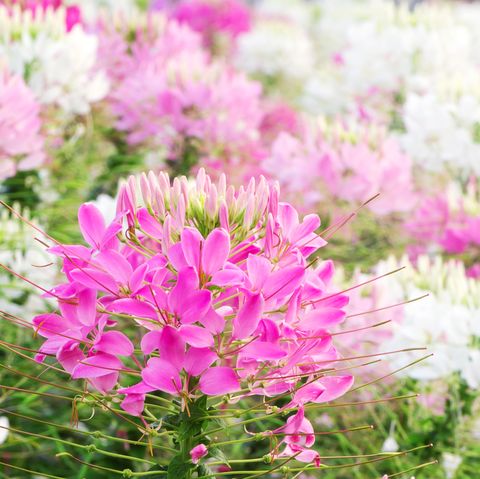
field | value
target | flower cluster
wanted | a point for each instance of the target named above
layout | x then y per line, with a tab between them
446	321
449	223
177	100
216	21
21	143
21	254
350	162
218	291
54	54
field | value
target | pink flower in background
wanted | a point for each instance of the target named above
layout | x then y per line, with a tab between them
172	97
343	165
362	170
198	452
444	222
212	17
219	288
21	143
279	118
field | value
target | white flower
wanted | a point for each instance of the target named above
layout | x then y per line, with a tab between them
107	206
441	133
390	445
450	463
93	9
471	369
58	65
4	428
22	253
275	47
445	322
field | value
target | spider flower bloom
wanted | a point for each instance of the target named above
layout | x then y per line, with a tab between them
449	224
21	143
214	19
170	96
216	285
351	163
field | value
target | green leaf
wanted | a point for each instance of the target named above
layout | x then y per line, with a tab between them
178	467
218	454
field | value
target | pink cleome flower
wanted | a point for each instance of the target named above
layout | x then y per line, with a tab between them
169	94
210	18
447	226
21	143
218	291
343	163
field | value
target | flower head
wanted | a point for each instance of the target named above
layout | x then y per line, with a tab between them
21	143
219	287
56	59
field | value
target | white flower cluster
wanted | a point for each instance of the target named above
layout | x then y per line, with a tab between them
277	46
58	65
22	253
447	322
417	70
94	9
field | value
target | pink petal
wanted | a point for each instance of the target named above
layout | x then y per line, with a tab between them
162	375
96	366
322	318
137	278
191	242
213	321
198	452
95	279
92	224
172	347
248	317
187	281
133	307
134	404
215	251
70	358
228	277
309	393
196	336
335	386
105	383
48	325
176	257
150	342
116	343
218	380
116	265
199	359
259	269
262	350
283	282
309	224
87	307
196	306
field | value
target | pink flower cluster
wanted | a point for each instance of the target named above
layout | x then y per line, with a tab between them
169	94
21	143
203	290
451	227
344	164
211	18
